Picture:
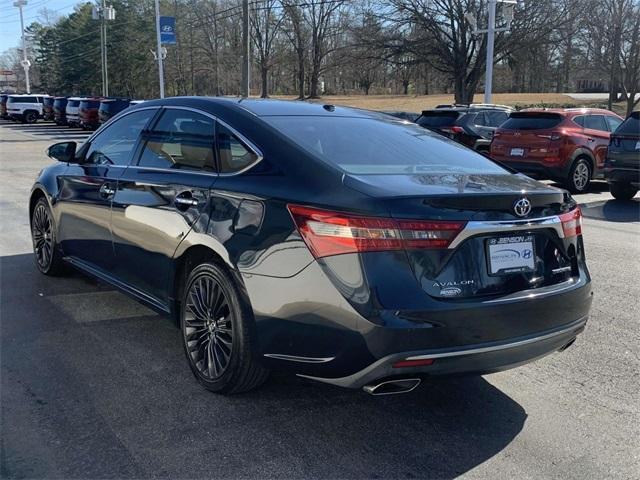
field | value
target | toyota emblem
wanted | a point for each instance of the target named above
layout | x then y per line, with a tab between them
522	207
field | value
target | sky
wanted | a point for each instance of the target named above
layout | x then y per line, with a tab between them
10	18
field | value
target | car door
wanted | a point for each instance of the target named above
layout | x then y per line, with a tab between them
87	188
161	197
597	133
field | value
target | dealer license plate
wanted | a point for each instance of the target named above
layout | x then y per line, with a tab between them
510	255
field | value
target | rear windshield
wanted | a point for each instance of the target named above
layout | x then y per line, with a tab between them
437	119
73	103
378	146
631	126
114	105
90	104
59	103
531	121
48	101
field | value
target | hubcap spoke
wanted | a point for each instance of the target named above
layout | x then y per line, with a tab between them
41	234
207	327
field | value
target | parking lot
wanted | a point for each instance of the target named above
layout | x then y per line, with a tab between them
94	385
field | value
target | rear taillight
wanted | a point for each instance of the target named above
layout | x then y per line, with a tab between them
453	130
553	136
332	233
572	223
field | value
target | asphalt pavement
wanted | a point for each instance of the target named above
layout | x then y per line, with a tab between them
94	385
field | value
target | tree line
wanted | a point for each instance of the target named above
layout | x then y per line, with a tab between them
308	48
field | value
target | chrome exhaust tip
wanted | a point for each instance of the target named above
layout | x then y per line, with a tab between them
392	387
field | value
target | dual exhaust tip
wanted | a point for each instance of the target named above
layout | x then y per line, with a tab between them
392	387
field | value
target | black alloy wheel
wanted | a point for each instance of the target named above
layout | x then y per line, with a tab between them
217	332
208	328
48	258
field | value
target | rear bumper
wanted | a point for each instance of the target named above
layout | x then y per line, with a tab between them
538	169
479	359
623	175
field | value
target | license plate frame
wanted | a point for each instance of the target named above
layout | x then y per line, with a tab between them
517	152
506	255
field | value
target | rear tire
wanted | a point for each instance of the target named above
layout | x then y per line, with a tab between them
43	235
622	191
579	176
218	332
30	117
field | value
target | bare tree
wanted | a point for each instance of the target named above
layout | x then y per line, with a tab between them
265	27
299	38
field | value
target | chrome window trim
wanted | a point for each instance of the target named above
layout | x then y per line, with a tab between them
173	170
474	228
248	143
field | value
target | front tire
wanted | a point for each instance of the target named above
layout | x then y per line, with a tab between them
43	235
217	332
622	191
579	176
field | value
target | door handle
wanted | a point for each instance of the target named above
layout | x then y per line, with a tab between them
106	190
185	200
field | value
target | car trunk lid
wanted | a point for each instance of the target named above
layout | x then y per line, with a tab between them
497	252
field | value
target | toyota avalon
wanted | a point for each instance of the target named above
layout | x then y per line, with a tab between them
341	245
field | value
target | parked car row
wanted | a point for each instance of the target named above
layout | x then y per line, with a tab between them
84	112
571	146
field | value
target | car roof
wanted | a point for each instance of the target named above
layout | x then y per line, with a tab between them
569	111
470	109
265	107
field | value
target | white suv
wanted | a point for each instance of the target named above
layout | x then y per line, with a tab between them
26	108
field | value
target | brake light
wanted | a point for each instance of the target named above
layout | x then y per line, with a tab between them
572	223
332	233
453	130
553	136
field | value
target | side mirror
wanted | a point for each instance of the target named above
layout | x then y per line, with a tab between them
63	151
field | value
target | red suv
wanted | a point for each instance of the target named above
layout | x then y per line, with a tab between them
567	145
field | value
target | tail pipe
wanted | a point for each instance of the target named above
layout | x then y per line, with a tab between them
391	387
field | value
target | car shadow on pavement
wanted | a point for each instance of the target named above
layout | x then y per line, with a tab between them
92	386
613	210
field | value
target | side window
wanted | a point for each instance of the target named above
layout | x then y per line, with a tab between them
234	155
613	122
114	146
595	122
180	139
495	119
481	119
579	120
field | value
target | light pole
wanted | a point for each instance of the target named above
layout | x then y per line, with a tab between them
25	63
246	62
159	50
104	13
491	33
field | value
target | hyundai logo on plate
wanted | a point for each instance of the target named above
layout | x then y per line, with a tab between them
522	207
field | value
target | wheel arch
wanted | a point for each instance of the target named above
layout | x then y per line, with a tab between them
587	155
185	260
36	194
